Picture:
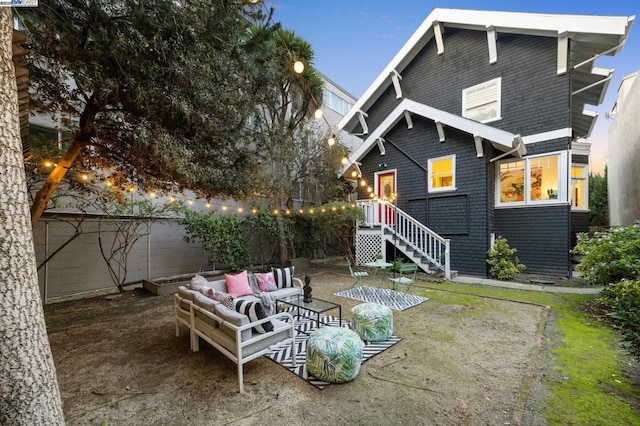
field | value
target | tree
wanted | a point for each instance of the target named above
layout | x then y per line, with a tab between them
598	203
151	92
295	150
28	384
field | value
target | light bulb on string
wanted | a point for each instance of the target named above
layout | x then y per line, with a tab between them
354	174
318	113
332	140
344	160
298	67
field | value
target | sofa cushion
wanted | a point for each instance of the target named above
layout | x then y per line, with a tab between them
266	282
255	313
283	276
235	318
238	285
253	284
219	296
205	302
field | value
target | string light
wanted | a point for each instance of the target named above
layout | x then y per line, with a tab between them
298	67
85	177
318	114
332	140
344	160
48	164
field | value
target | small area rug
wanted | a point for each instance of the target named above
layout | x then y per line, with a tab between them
282	354
384	296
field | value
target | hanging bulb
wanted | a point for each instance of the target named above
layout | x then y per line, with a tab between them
332	140
354	174
298	67
344	160
318	114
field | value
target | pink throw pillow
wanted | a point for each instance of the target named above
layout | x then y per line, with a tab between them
238	285
266	282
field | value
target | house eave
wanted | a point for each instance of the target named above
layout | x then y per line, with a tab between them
590	36
502	140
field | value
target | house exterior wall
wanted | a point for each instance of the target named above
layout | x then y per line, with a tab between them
534	99
623	174
80	268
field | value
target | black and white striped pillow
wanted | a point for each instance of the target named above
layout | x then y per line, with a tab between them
255	313
284	276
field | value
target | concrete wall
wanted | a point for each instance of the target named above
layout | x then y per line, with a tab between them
624	158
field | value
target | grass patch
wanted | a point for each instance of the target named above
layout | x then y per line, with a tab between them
589	386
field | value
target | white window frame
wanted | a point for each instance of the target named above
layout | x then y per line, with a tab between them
563	182
498	99
452	187
585	187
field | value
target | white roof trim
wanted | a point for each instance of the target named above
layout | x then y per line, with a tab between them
504	141
506	22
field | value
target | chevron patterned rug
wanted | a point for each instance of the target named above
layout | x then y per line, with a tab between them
384	296
282	355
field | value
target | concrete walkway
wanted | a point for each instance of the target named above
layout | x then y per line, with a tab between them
528	287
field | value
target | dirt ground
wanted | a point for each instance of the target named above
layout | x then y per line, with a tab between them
119	362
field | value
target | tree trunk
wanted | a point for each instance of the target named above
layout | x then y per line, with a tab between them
29	393
53	180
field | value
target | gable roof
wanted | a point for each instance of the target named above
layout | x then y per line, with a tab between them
500	139
591	36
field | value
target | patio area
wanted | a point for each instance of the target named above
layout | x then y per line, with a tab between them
462	360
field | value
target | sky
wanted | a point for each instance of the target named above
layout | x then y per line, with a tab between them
354	40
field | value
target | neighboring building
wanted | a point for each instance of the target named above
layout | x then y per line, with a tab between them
475	130
623	173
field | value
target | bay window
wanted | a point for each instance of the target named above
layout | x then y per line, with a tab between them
540	179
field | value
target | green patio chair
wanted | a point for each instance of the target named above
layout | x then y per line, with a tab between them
359	276
407	275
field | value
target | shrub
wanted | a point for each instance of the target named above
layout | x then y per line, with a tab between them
610	256
221	237
623	303
503	264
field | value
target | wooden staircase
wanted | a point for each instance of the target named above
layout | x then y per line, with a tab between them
384	222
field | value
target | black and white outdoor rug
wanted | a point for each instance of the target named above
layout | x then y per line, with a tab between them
384	296
282	354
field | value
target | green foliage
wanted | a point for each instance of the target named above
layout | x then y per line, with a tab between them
261	230
339	219
623	301
221	237
160	89
610	256
598	203
503	264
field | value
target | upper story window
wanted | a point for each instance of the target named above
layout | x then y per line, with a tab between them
579	193
482	101
335	102
535	180
442	174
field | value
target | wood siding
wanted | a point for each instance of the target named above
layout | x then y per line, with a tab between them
534	99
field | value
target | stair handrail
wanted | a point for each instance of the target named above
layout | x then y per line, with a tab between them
413	233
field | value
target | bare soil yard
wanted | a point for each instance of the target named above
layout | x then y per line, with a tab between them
463	360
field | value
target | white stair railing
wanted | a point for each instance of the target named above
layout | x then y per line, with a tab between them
401	227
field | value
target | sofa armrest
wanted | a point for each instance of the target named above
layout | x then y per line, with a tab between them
297	282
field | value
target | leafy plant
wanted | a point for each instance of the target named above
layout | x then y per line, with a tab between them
339	220
503	264
598	202
623	301
610	256
221	236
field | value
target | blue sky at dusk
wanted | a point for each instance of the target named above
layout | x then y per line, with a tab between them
354	40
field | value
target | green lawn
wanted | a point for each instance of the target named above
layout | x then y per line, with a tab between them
589	387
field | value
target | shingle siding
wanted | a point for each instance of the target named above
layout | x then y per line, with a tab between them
540	234
534	99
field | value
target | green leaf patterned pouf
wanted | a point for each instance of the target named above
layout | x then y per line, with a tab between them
334	354
372	321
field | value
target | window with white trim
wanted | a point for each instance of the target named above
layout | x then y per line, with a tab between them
335	102
482	101
579	191
540	179
442	174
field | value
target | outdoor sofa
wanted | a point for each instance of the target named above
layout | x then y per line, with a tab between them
238	326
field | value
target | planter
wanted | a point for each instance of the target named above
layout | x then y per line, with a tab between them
298	263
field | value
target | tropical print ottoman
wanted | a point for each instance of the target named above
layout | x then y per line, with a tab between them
372	321
334	354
